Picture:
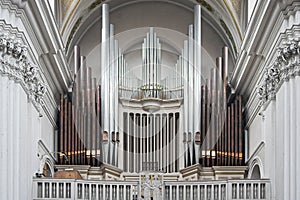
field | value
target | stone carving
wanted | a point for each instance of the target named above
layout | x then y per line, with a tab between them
151	187
15	64
286	66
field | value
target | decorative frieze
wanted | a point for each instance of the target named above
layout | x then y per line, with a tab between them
15	64
285	66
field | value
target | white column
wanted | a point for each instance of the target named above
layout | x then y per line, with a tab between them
297	131
286	142
279	145
16	141
10	139
3	137
293	133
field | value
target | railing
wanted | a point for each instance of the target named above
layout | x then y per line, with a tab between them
59	189
218	190
81	189
138	94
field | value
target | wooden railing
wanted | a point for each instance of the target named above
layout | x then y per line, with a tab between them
72	189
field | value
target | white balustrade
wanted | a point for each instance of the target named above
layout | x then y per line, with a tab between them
72	189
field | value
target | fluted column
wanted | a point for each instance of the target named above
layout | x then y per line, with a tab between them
3	137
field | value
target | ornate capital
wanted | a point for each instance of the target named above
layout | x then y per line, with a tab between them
15	64
286	66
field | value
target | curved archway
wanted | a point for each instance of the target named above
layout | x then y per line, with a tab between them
46	166
255	169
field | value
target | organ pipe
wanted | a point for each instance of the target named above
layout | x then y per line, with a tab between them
104	73
197	67
191	89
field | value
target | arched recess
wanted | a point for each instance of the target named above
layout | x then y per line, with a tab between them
256	169
46	166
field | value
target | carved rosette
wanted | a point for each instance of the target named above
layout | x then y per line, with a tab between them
15	64
286	66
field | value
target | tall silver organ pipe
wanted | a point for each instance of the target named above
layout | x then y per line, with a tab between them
185	96
219	104
197	67
104	74
191	91
113	75
111	71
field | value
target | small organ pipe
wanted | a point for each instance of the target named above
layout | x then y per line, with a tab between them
203	123
69	136
151	56
213	113
228	160
236	132
76	59
61	123
88	110
232	133
240	129
65	133
209	127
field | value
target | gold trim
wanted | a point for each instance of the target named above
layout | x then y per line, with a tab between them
234	19
69	16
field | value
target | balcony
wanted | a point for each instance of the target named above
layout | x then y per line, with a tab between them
119	190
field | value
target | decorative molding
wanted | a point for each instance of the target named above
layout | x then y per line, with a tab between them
285	66
15	64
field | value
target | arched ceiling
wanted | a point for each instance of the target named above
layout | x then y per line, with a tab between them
218	28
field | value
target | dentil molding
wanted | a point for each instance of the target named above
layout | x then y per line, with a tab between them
15	64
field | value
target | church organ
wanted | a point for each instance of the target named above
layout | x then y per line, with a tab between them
204	126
